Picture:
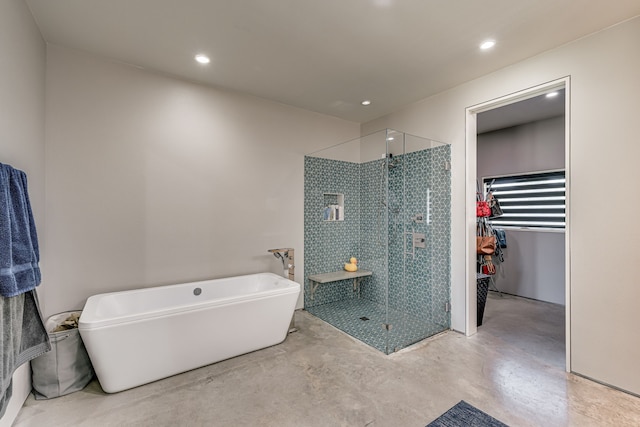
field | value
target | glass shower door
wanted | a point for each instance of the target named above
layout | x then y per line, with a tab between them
396	240
419	267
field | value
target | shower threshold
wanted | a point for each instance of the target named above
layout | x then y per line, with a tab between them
365	320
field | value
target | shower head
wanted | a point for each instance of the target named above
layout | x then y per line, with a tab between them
390	162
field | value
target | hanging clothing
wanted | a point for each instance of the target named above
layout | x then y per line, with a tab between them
19	252
502	237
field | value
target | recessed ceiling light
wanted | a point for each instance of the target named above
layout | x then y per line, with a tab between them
552	94
366	102
390	138
488	44
203	59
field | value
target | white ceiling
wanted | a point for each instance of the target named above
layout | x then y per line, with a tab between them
537	108
325	55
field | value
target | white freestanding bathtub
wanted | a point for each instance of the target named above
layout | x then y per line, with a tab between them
139	336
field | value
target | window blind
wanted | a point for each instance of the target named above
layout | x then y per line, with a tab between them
535	200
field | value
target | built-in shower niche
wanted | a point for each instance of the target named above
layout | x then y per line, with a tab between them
396	196
333	209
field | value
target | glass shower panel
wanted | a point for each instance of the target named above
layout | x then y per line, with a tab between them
438	314
354	173
396	242
393	192
374	252
422	296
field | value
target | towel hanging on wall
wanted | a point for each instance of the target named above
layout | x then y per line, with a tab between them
24	338
19	252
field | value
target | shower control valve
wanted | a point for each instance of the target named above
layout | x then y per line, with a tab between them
419	240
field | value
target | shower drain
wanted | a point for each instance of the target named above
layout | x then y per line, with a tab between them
364	318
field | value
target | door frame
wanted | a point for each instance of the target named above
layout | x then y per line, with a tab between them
471	326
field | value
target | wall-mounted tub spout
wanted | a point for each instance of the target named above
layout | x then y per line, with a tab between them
286	256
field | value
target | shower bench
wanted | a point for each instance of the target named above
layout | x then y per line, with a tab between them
335	276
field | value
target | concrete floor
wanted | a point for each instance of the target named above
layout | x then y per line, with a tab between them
321	377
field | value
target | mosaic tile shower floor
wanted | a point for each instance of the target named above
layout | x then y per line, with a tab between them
347	315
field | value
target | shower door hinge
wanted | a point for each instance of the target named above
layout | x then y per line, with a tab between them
447	165
386	326
447	306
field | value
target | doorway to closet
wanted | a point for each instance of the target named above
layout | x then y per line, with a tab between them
520	144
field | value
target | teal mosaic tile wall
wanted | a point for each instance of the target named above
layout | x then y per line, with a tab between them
329	244
440	235
374	230
419	285
378	211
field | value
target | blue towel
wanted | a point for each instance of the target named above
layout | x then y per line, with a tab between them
19	252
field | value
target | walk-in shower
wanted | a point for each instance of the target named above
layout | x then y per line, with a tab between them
384	199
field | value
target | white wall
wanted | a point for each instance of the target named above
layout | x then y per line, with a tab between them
531	147
534	264
153	180
22	77
605	103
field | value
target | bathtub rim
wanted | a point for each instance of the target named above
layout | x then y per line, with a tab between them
88	322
